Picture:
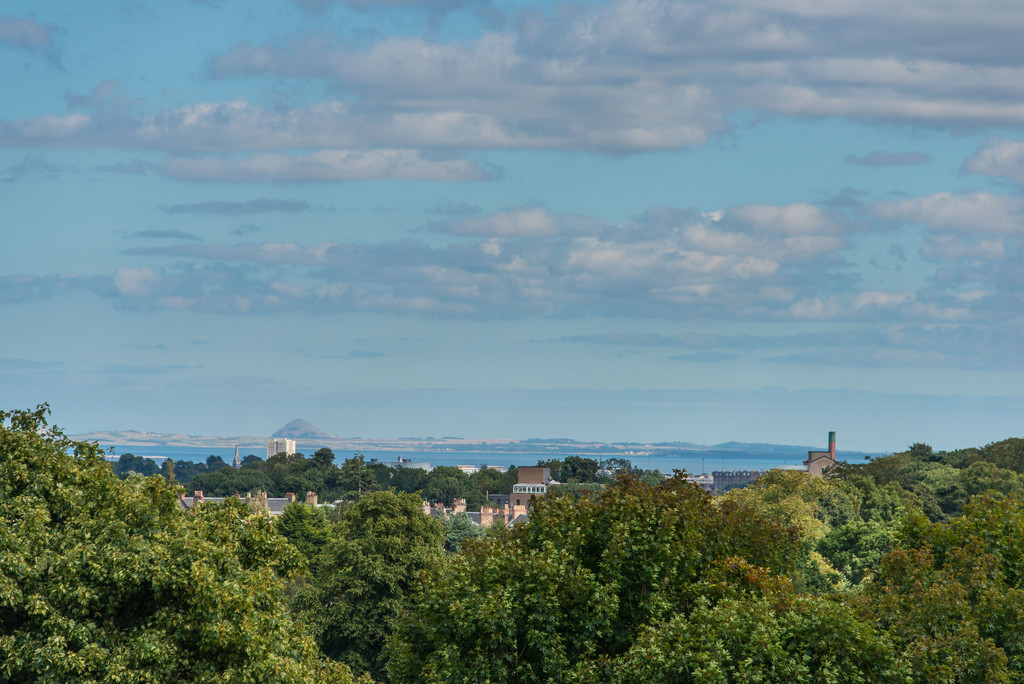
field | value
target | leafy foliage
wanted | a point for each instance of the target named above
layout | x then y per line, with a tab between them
752	640
305	527
295	473
909	568
572	468
364	574
845	526
458	528
137	465
953	595
945	481
578	584
110	580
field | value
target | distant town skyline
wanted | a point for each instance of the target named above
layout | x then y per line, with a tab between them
633	220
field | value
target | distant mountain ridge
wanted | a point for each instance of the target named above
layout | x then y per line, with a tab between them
301	429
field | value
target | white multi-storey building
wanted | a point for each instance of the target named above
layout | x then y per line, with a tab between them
280	445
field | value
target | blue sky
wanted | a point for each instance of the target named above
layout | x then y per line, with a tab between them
752	220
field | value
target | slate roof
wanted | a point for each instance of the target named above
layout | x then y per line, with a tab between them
275	504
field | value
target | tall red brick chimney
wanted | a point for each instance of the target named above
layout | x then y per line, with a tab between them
832	445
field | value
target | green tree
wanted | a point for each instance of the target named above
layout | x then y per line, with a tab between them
1008	454
945	481
578	468
184	471
579	583
458	528
488	481
845	526
214	462
305	527
577	489
168	470
493	615
446	484
110	580
323	457
355	478
408	480
131	464
953	594
230	481
617	465
364	575
753	639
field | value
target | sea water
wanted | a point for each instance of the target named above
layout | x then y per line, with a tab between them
693	462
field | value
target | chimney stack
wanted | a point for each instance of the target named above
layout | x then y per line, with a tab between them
290	496
311	498
832	445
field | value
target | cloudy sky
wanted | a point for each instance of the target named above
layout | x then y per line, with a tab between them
694	220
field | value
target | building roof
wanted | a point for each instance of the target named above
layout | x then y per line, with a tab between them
817	456
275	504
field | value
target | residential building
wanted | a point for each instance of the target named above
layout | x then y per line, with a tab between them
280	445
259	501
401	463
724	480
819	461
533	481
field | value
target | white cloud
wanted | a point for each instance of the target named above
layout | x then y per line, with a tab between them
977	212
136	282
524	261
535	221
322	166
628	76
279	253
999	158
952	248
881	299
879	158
649	74
756	262
790	219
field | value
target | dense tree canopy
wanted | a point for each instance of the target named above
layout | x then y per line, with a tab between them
363	576
580	583
945	481
305	527
573	468
131	464
908	568
953	594
284	473
845	527
104	579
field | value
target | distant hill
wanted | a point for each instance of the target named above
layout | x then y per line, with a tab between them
762	447
301	429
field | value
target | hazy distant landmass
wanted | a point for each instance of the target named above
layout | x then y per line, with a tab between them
302	429
308	434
